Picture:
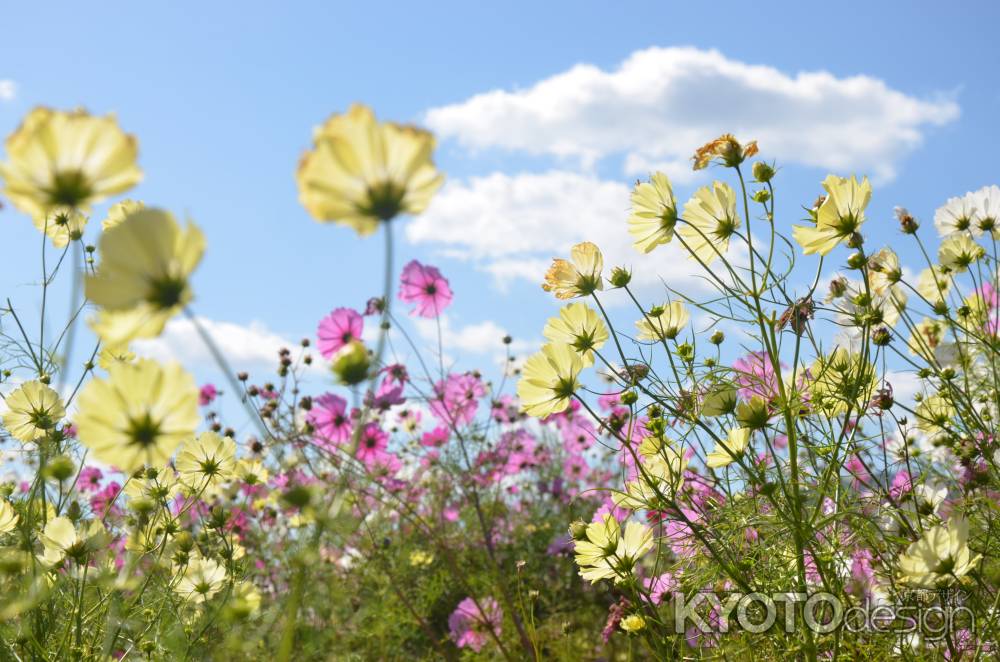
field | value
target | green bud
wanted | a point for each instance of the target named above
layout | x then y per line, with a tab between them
685	351
629	398
717	338
856	261
761	196
60	468
351	363
578	530
763	172
881	336
620	277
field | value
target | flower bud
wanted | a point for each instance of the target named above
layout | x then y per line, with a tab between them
717	338
881	336
763	172
856	260
620	277
60	468
907	223
761	196
351	363
578	530
629	398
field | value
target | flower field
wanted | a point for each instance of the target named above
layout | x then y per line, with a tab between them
647	484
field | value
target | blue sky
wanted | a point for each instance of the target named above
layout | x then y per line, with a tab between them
223	98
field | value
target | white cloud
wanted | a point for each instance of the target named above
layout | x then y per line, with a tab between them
512	225
8	90
662	103
246	347
481	338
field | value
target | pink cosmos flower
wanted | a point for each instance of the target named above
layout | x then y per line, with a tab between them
660	586
329	419
575	467
424	286
341	326
207	394
755	376
373	441
100	502
436	437
90	479
457	399
470	624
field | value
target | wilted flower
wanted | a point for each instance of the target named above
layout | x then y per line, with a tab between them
579	276
726	149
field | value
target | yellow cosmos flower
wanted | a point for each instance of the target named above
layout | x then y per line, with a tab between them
884	271
120	211
927	335
143	277
654	213
726	149
580	327
8	517
139	414
838	217
361	171
150	491
663	322
114	354
607	552
662	476
711	219
958	252
252	472
549	379
940	558
934	283
934	414
211	458
727	452
33	410
60	540
577	277
842	381
201	579
633	623
67	159
62	225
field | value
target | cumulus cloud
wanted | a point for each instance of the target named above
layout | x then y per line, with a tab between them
246	347
512	225
480	338
8	90
661	103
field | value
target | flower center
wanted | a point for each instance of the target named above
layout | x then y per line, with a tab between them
69	188
385	200
167	292
143	431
